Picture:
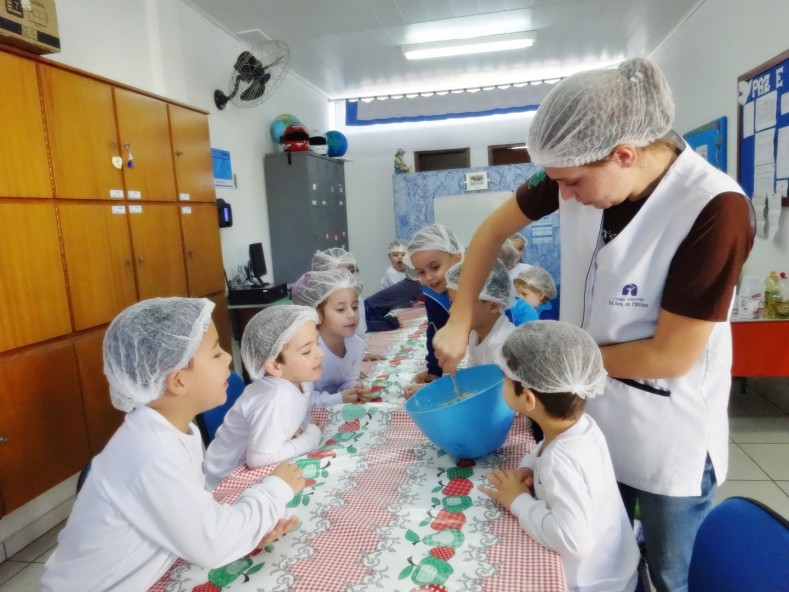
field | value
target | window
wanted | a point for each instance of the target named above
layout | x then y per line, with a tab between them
508	154
439	160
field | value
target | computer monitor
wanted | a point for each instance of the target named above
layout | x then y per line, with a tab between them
257	262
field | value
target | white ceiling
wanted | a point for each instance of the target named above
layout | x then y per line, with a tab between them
351	48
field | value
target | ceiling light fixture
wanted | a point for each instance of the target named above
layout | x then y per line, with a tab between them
455	47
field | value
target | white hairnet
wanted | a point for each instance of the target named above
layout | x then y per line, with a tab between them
269	331
553	357
314	287
587	114
497	288
539	279
147	341
435	237
509	255
397	246
332	259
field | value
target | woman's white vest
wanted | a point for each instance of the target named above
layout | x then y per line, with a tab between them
659	431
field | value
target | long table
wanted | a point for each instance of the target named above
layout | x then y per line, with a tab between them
384	509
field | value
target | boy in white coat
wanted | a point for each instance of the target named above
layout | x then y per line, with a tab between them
490	327
564	493
271	420
144	503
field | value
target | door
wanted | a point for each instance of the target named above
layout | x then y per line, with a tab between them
101	418
145	134
202	249
80	122
42	426
24	168
194	171
33	300
98	261
158	254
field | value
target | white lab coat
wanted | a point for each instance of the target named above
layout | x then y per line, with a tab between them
144	504
484	352
577	510
258	430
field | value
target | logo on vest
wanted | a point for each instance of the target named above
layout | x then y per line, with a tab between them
628	299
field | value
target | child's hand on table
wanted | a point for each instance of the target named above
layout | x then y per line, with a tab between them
425	378
373	357
356	394
290	474
411	389
507	485
284	525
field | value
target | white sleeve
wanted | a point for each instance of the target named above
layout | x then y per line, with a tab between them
308	441
324	399
562	521
168	505
530	458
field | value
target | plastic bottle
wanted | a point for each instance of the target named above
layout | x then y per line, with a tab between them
772	288
781	303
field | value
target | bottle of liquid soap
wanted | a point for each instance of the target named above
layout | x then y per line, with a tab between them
772	289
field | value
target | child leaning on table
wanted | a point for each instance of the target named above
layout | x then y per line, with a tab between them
335	297
536	288
396	270
144	503
564	493
271	420
490	327
339	258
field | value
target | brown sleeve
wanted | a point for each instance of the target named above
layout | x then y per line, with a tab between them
706	266
538	197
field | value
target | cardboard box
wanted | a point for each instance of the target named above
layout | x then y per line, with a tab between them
30	24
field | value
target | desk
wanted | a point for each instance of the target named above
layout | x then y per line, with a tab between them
383	509
760	348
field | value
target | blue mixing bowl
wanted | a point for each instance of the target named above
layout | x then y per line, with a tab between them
468	427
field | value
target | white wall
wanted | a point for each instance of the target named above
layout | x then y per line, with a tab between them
722	40
170	49
368	175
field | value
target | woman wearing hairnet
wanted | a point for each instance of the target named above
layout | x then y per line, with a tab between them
653	239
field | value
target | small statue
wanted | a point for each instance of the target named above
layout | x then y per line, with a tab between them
400	165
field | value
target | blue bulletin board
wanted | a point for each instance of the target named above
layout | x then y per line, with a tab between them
763	128
709	140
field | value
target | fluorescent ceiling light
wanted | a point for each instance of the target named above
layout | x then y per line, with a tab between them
440	49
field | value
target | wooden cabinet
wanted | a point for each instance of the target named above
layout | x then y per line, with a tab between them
145	134
202	249
24	169
158	252
33	302
101	418
82	238
42	422
99	262
194	171
80	121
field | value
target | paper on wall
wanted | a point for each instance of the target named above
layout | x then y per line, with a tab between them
766	106
763	152
781	187
773	214
764	179
782	153
747	120
785	103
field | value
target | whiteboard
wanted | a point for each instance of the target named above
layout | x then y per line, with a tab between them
464	213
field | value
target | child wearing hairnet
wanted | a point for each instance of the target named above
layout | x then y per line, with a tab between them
431	252
536	288
489	325
144	503
510	256
564	493
334	295
396	270
339	258
271	420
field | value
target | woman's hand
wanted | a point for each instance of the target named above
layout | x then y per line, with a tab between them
449	345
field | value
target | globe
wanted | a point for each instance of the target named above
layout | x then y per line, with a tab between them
337	143
279	124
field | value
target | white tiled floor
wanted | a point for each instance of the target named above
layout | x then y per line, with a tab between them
758	468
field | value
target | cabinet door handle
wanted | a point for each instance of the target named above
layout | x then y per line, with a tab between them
140	259
127	260
191	252
178	152
3	440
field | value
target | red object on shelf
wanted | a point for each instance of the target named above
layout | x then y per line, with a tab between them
760	348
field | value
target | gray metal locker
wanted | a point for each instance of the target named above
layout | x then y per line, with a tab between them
306	209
